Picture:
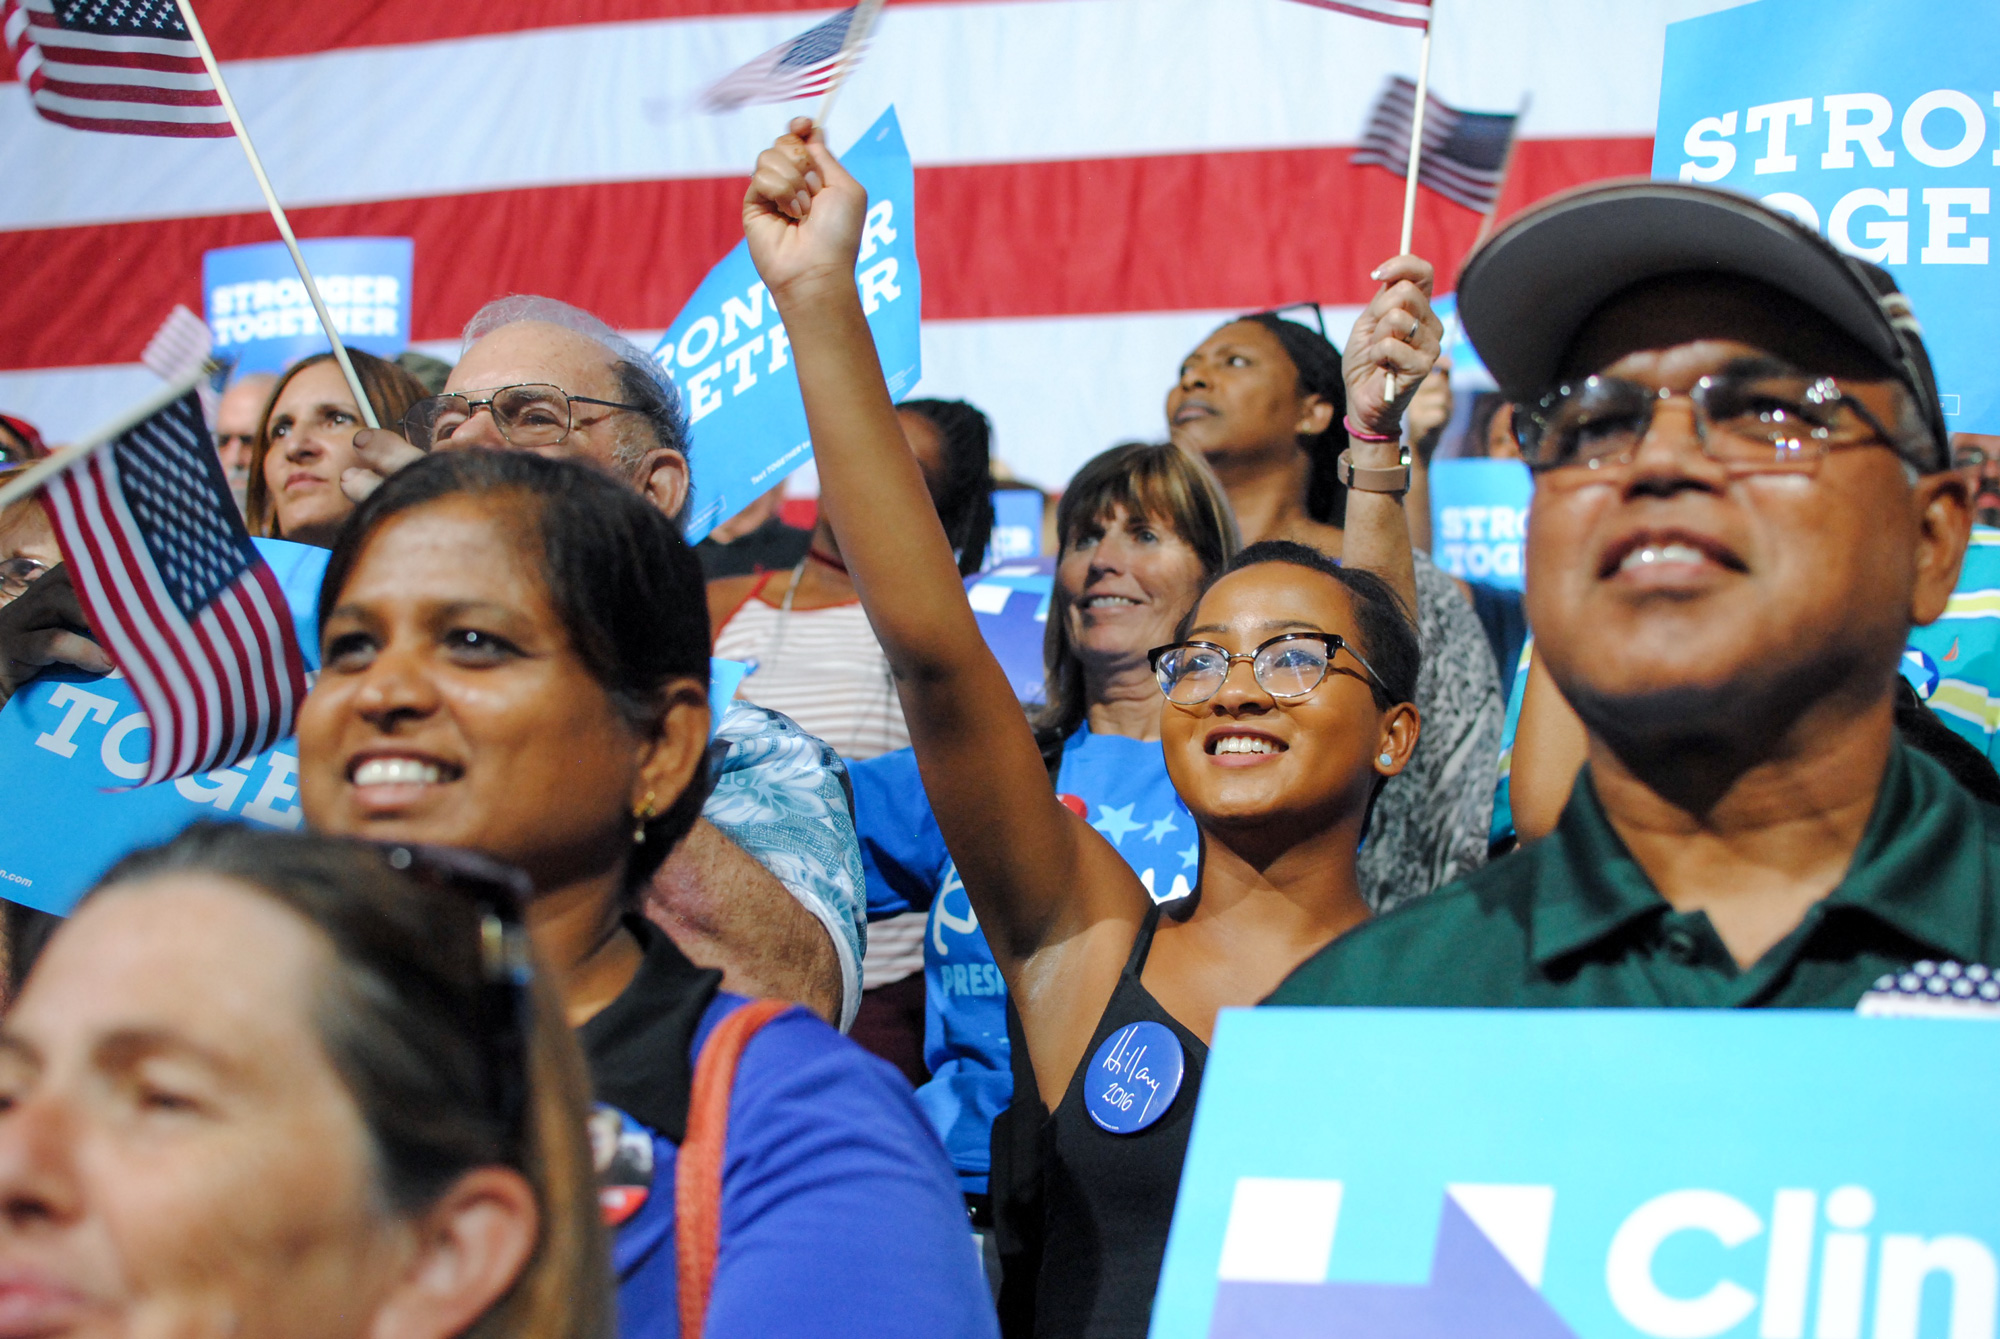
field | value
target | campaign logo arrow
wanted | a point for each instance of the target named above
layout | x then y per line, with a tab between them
1473	1290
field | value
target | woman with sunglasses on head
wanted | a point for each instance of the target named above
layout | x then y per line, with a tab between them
515	661
305	441
1286	705
276	1085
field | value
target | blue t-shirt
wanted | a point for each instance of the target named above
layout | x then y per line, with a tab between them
839	1217
1121	787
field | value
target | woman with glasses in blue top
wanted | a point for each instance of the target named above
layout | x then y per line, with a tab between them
1285	705
515	661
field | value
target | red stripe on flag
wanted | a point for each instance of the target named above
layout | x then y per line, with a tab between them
234	654
131	93
123	126
1025	239
261	29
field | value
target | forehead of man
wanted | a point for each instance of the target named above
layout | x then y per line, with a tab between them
1682	309
535	352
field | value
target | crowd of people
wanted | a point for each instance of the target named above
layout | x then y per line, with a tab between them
554	985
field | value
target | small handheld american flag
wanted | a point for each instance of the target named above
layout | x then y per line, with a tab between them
123	66
177	593
812	63
1464	155
1406	13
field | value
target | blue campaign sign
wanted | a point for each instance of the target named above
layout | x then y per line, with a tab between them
264	321
1017	525
1011	602
70	742
1558	1174
1872	121
1479	519
729	354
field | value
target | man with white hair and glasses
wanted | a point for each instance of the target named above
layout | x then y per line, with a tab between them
1744	500
540	375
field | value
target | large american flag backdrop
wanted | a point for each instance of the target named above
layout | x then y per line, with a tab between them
1098	181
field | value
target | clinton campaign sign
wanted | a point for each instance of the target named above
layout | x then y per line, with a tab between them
1589	1174
74	741
263	320
729	354
1479	519
1875	122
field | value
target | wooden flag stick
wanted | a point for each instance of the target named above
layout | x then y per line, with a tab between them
1416	152
277	210
30	480
850	48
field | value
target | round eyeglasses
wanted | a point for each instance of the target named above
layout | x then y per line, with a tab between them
1289	665
527	416
1753	417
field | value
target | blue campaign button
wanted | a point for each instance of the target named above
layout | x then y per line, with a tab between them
1133	1077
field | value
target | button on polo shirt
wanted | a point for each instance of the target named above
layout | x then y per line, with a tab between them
1572	921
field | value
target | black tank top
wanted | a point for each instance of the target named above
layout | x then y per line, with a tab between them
1109	1198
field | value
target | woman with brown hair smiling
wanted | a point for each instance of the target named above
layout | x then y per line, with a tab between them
515	661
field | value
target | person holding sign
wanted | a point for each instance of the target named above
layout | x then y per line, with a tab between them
1745	501
1286	706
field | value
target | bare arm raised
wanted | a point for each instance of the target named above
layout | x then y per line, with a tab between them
1397	332
1060	908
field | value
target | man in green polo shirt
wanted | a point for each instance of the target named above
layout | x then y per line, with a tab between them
1743	502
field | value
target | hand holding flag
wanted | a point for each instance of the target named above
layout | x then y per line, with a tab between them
1396	331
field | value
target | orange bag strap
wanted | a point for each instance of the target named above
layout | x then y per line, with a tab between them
698	1167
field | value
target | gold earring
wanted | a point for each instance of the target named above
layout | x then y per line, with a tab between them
641	817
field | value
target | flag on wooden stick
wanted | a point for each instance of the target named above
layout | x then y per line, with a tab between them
176	592
814	62
128	67
1464	154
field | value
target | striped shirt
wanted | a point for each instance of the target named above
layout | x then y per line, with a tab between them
821	667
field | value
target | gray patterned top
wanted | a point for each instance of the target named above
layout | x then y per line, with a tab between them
1430	823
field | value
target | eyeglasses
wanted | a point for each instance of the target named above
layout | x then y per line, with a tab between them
1754	417
498	891
1971	457
17	574
1289	665
527	416
1298	311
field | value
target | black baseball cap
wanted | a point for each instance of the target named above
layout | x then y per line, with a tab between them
1526	294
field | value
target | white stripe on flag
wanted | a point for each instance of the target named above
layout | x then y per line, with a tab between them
138	77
